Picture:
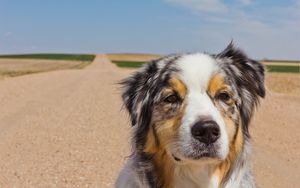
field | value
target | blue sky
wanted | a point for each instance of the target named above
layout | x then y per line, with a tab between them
263	28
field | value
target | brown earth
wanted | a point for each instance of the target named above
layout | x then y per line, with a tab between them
67	129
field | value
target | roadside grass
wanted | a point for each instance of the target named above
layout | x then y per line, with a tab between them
286	69
40	69
4	73
270	68
129	64
71	57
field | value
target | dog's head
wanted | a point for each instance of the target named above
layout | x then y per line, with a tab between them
194	106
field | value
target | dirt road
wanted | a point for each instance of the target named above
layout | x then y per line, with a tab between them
66	129
62	128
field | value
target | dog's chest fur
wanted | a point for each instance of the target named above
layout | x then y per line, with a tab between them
195	178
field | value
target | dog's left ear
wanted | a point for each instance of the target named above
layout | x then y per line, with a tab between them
249	73
248	76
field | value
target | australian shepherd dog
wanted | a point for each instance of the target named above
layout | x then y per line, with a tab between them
190	115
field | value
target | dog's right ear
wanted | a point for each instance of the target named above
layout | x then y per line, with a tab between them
131	87
135	90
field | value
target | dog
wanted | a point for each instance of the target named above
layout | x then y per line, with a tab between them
190	115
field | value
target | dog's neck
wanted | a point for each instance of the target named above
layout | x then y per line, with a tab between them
174	174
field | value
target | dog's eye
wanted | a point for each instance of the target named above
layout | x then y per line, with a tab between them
171	98
224	96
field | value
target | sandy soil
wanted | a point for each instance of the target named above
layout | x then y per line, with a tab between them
67	129
276	139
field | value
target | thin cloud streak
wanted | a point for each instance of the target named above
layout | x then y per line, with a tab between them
211	6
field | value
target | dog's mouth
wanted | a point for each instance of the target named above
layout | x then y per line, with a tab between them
176	158
201	156
196	153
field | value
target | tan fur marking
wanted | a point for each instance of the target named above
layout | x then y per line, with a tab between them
164	168
235	149
215	84
178	86
150	146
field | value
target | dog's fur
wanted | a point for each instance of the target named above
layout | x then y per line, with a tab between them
168	96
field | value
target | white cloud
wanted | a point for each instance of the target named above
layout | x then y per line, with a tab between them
271	32
246	2
213	6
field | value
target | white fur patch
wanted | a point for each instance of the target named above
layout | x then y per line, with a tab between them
196	71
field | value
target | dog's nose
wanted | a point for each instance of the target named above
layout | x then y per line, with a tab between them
206	131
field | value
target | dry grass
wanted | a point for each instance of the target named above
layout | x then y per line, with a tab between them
18	67
281	62
284	83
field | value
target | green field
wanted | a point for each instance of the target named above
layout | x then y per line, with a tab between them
129	64
270	68
72	57
288	69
